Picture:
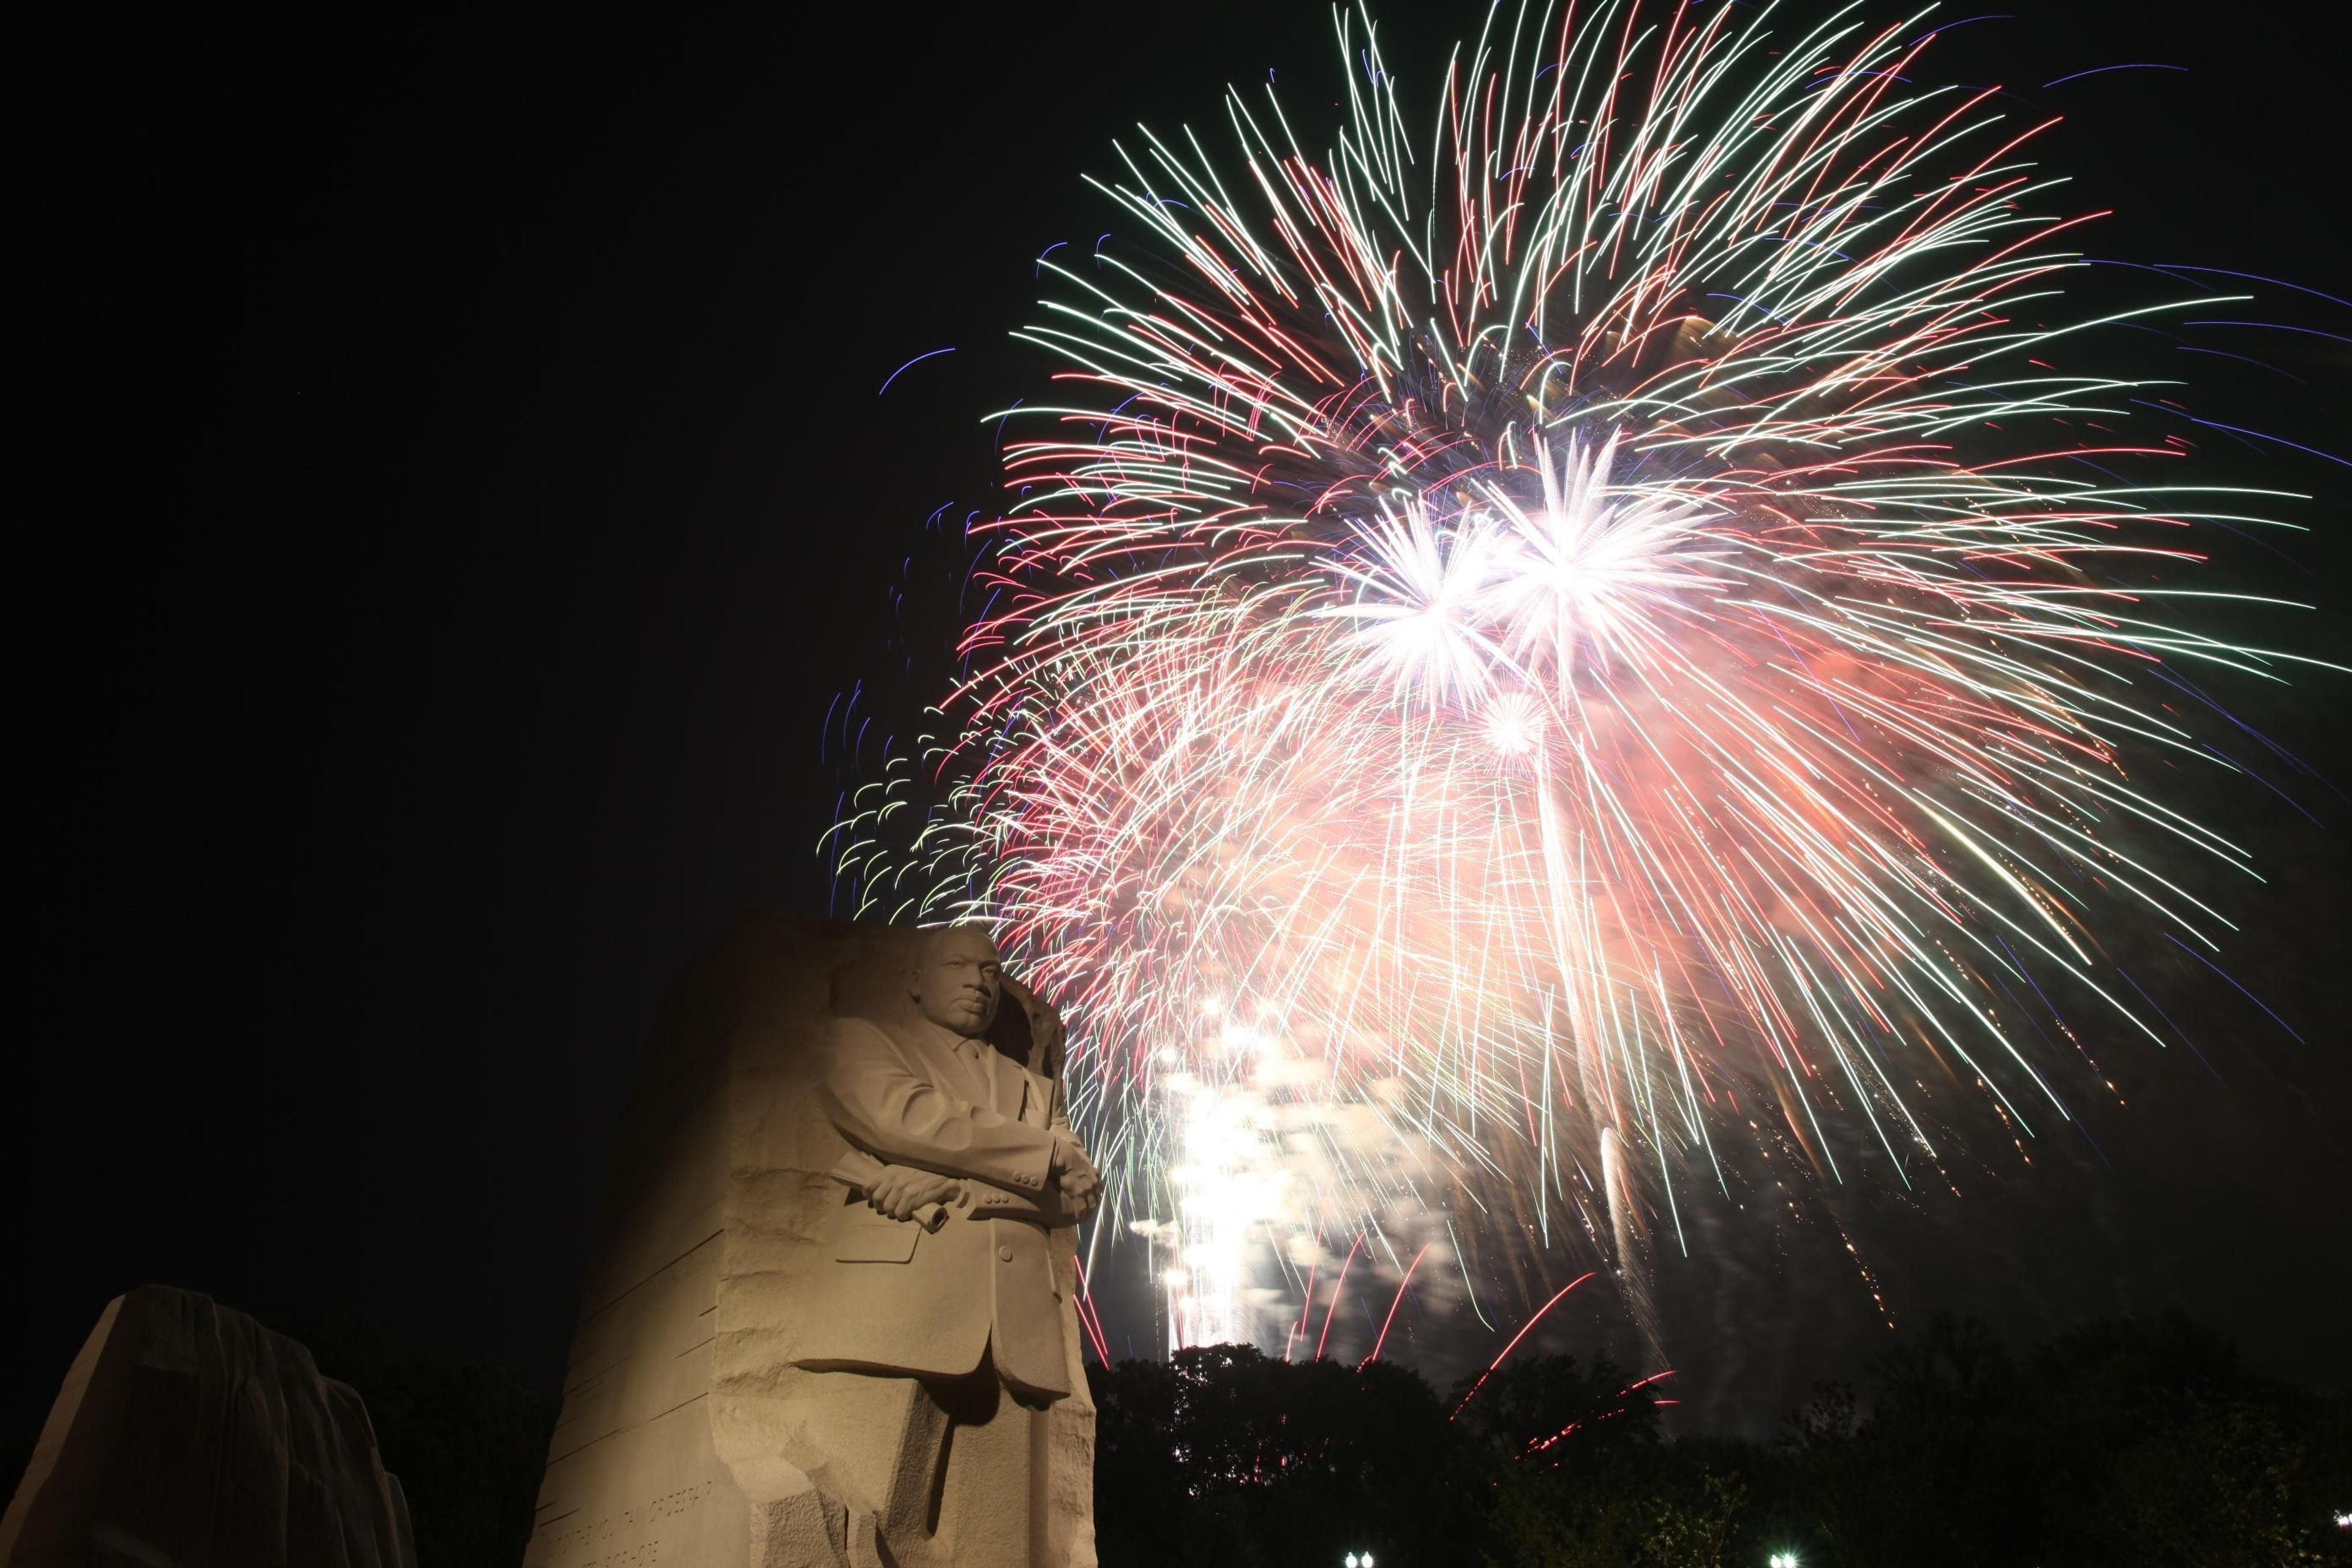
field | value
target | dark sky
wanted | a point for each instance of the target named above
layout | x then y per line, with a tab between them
453	487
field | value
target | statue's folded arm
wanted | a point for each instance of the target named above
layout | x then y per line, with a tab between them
880	1104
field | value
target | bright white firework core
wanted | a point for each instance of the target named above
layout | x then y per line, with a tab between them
1514	724
1226	1191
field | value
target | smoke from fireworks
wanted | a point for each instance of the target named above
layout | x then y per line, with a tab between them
1539	651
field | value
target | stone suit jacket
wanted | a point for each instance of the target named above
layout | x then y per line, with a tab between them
891	1297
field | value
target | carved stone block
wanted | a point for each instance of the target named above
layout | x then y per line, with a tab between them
189	1435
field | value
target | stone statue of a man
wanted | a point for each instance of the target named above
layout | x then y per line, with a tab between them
937	1303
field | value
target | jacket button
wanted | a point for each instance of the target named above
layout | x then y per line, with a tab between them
1005	1255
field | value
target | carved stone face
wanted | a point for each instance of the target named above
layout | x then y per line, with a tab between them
956	980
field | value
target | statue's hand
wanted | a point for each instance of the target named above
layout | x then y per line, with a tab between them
1076	1174
900	1190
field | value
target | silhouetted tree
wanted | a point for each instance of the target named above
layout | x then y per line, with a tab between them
1227	1455
2125	1443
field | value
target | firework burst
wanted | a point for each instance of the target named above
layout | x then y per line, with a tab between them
1532	651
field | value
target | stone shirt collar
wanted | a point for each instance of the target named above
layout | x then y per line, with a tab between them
970	1054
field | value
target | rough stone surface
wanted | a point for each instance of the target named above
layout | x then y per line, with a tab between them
689	1436
188	1435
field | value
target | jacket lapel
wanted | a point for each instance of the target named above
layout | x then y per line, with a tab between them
1014	1095
995	1081
950	1067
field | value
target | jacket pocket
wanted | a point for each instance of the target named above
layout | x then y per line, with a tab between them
876	1240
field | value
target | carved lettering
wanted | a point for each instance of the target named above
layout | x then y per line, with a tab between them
598	1532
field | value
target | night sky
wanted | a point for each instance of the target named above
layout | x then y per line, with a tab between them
453	488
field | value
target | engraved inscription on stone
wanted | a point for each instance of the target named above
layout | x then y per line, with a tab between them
597	1534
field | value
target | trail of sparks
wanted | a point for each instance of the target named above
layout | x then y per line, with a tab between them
1338	1286
1090	1318
1524	1329
1398	1300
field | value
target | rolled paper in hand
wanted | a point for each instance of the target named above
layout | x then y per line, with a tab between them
859	1169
